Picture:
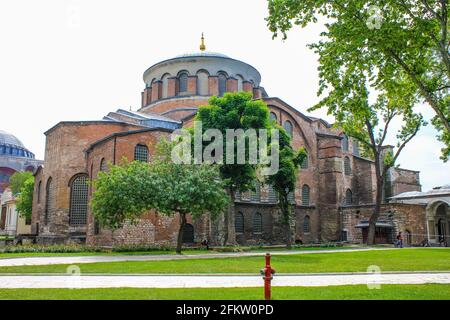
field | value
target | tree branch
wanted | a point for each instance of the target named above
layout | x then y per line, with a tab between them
386	125
399	150
427	95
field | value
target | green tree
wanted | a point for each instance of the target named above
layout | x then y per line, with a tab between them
127	191
17	181
235	111
396	42
24	203
283	182
22	187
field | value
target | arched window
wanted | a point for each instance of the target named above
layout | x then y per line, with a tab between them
239	223
78	200
347	166
355	147
273	117
222	84
305	195
141	153
240	80
202	83
305	163
165	85
256	195
103	165
49	200
39	192
257	223
183	82
288	127
306	225
344	143
348	197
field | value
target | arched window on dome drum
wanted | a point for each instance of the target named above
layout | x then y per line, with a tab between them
344	143
288	127
240	81
78	200
222	84
165	85
306	225
141	153
103	165
239	223
183	83
305	195
273	117
347	166
257	223
49	200
203	83
348	197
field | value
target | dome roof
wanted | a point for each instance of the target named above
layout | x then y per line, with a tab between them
9	139
202	54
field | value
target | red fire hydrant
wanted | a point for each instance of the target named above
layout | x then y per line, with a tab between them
268	273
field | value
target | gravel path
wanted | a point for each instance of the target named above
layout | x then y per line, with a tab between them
215	281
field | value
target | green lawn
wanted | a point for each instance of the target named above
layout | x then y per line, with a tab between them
158	252
388	260
357	292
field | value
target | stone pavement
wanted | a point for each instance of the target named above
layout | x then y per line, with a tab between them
33	261
214	281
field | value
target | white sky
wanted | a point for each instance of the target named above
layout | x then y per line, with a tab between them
80	59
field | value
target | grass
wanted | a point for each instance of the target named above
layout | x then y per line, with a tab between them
387	260
160	252
355	292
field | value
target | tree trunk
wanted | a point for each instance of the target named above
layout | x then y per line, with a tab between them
228	216
376	210
180	232
286	217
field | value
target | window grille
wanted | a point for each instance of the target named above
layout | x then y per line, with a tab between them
305	195
306	225
257	223
239	223
78	201
141	153
347	166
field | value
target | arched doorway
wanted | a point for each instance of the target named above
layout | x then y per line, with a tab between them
439	223
188	234
408	238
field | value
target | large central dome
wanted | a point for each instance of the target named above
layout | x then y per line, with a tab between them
202	54
11	146
9	139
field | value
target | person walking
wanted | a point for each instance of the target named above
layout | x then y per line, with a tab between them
399	243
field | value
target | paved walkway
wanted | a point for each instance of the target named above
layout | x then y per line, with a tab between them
215	281
33	261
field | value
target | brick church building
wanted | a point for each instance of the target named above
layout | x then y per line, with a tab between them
335	188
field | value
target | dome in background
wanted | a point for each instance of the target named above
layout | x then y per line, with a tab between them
9	139
202	54
11	146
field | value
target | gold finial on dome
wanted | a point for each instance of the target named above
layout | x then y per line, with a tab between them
202	45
